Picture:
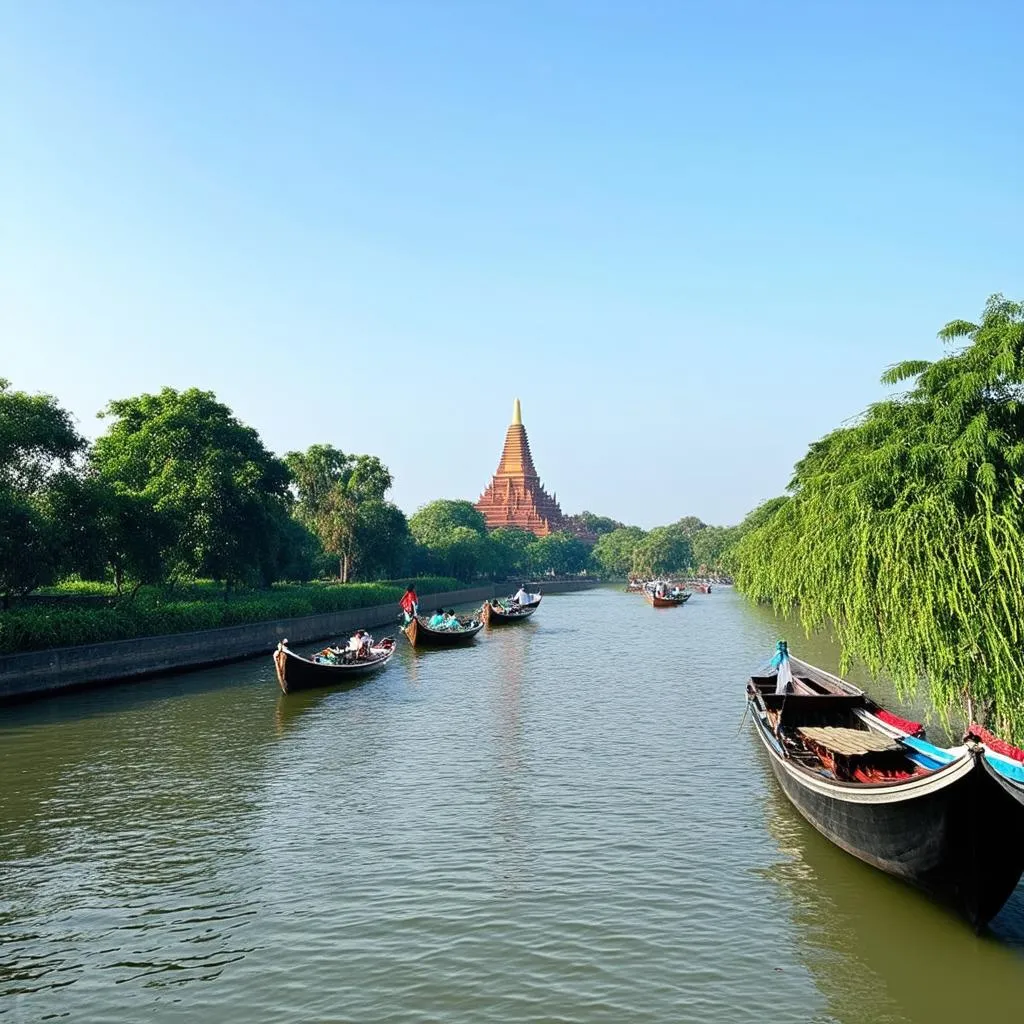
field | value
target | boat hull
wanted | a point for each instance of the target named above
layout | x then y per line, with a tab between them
492	617
295	673
423	636
957	833
667	602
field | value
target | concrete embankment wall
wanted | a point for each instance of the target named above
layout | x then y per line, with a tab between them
36	673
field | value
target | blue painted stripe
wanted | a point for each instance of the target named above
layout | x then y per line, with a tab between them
1007	768
927	751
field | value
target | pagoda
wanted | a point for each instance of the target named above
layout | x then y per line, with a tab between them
515	496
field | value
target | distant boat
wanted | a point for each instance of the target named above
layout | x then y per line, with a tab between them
419	634
328	669
494	614
943	820
668	601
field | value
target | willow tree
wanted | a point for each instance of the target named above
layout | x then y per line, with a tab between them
905	531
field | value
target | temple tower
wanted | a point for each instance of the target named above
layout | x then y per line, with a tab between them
515	496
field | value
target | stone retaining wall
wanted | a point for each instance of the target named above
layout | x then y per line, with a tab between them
37	673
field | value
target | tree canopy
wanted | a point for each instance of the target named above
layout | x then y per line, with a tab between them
902	531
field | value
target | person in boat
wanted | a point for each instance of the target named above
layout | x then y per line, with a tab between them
452	620
521	597
437	620
410	603
355	644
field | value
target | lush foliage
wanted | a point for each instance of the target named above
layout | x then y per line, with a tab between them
342	501
664	550
208	477
903	531
154	612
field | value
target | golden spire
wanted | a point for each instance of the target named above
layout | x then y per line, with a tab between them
517	414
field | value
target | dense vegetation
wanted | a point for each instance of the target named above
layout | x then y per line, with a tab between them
177	490
903	531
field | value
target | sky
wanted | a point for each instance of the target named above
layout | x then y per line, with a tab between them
688	236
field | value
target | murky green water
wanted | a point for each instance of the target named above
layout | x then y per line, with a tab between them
561	824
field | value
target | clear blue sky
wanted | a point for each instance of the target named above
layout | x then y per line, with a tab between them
688	236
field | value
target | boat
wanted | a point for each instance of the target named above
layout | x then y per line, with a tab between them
494	614
419	634
669	600
330	667
941	819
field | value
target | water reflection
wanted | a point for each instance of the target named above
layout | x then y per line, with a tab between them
881	951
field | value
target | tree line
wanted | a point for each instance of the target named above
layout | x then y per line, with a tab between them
177	489
903	532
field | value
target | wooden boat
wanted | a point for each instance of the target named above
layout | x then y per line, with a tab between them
666	602
419	634
496	615
297	673
942	820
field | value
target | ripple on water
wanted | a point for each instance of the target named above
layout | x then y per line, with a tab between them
560	824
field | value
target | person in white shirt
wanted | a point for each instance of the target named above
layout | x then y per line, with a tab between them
521	597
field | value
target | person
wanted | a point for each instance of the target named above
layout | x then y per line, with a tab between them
367	644
410	603
453	620
437	620
355	643
521	597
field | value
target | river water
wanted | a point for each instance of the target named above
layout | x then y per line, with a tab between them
565	822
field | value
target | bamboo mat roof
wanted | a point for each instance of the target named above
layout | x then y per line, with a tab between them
847	741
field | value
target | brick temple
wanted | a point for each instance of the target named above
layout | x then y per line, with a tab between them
515	496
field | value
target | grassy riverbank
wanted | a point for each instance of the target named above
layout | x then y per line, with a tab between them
156	611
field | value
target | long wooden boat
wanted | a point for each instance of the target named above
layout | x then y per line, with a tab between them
295	672
495	615
666	602
419	634
943	820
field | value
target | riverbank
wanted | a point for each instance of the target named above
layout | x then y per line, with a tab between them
36	674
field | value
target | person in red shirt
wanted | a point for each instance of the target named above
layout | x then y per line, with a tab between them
410	603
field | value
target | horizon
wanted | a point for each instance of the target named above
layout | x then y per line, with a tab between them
690	240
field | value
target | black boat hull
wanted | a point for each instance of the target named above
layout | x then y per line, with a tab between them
492	617
295	673
420	635
957	834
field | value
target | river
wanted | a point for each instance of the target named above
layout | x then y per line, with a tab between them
566	822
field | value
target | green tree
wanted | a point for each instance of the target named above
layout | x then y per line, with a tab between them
382	540
39	447
613	552
690	526
903	530
709	544
510	552
333	490
666	549
205	473
559	553
432	525
587	522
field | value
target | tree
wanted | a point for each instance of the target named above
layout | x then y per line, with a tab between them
510	551
558	553
432	525
903	530
593	525
333	489
613	552
382	540
205	473
690	526
708	545
666	549
39	446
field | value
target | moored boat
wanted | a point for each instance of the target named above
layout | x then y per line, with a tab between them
329	667
419	634
941	819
